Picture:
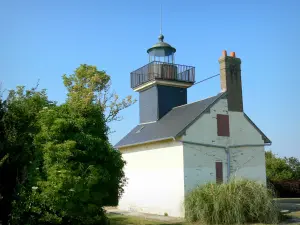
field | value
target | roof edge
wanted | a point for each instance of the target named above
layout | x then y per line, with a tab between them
157	47
144	142
197	117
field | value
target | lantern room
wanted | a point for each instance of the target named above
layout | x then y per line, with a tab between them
162	52
161	69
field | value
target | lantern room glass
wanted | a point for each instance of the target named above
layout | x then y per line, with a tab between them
165	59
160	56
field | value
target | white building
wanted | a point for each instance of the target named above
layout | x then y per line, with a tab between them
178	146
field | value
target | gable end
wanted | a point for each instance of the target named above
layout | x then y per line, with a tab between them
207	110
264	137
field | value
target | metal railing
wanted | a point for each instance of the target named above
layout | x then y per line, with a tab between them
162	71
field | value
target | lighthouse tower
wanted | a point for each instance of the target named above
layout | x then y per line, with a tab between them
162	84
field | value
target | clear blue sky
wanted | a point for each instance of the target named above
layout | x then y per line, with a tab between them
45	39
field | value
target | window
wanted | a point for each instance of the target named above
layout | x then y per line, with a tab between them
223	125
219	172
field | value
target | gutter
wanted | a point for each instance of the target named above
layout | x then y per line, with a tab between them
249	145
145	142
227	150
203	144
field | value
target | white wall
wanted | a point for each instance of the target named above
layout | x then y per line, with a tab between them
248	163
242	131
199	165
204	130
199	161
155	179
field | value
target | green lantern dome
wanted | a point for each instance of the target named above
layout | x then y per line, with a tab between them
162	51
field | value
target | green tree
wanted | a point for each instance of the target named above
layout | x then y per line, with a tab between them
77	171
281	168
95	85
3	156
294	165
17	127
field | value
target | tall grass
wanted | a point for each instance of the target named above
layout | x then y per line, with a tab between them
236	202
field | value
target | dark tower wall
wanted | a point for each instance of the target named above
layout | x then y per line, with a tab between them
158	100
231	82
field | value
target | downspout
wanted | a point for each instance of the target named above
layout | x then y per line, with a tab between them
227	150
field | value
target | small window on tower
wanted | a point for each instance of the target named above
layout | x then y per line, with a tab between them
223	125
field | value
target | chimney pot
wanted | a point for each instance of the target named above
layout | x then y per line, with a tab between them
224	53
232	54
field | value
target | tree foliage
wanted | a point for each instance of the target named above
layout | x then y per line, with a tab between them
282	168
76	171
95	85
294	165
18	115
56	162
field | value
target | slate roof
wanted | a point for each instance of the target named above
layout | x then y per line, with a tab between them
174	124
169	126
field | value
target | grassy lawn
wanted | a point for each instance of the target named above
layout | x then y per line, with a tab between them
131	220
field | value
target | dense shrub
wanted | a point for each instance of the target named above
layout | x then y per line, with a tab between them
286	188
237	202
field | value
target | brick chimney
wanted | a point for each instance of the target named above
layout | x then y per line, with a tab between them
230	74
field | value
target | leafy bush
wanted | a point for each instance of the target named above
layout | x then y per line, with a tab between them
237	202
